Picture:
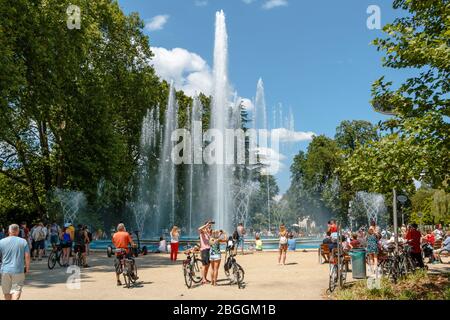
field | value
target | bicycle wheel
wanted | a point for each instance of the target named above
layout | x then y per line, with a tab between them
79	260
58	257
133	272
126	280
411	264
238	274
187	275
343	274
394	271
51	260
196	272
333	278
109	251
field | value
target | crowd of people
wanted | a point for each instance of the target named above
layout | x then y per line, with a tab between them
377	241
19	245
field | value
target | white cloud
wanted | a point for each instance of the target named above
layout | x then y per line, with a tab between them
190	72
286	135
157	22
248	1
270	4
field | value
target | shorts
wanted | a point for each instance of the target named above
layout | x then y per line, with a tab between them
12	282
241	242
66	244
283	247
54	239
205	257
215	257
79	248
38	245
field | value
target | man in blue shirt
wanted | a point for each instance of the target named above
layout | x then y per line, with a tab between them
15	254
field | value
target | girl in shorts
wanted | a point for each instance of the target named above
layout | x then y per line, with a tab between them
215	255
283	244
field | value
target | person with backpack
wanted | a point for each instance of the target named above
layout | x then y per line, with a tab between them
81	239
38	235
55	232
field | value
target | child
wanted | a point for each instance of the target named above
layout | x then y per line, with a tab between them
355	242
258	242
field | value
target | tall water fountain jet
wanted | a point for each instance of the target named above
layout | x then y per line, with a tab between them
373	205
165	201
195	178
141	207
220	174
260	115
71	202
260	123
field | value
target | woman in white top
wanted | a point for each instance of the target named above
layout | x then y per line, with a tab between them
174	239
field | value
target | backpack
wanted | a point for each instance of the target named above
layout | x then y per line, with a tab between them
38	234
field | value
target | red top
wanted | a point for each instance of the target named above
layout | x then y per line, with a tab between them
355	243
333	228
430	238
413	236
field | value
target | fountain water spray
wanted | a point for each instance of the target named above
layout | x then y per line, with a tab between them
220	175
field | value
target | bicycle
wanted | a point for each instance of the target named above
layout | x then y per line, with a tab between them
337	267
398	263
124	264
55	257
234	272
191	267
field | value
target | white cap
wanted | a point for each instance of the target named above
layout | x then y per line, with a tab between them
67	224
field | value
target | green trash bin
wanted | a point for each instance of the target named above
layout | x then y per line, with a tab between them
358	263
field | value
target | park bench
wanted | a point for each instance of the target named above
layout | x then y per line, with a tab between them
324	251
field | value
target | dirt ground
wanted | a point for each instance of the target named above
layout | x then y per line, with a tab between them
302	278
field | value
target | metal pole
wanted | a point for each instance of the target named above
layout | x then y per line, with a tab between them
395	219
403	216
339	255
268	200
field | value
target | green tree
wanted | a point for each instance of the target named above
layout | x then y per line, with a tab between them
350	134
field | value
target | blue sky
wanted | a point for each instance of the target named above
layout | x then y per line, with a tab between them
314	56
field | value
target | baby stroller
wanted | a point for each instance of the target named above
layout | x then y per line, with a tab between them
427	252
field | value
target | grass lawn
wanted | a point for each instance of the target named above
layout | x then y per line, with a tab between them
417	286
